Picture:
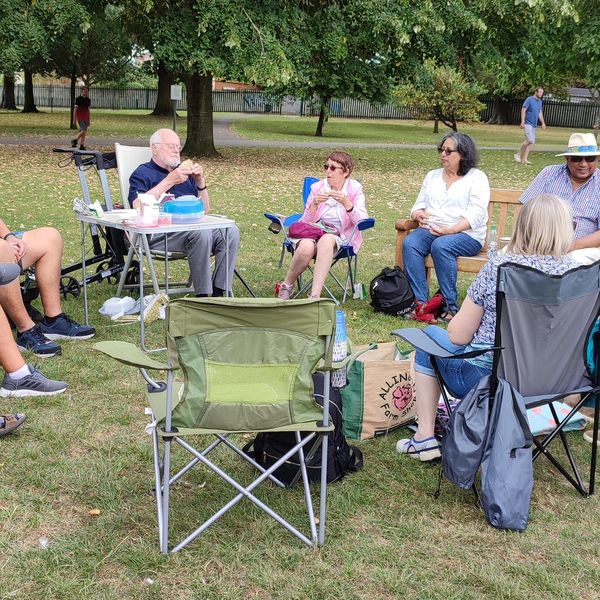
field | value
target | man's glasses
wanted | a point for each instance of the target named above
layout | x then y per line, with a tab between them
331	167
588	159
445	150
176	147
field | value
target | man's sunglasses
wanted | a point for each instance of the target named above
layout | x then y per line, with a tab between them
588	159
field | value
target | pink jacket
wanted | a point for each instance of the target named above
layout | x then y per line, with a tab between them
354	190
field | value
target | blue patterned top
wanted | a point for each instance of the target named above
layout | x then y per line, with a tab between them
483	293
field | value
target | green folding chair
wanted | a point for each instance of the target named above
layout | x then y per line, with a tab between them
237	365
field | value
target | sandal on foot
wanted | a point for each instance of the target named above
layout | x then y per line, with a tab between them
447	316
425	450
9	423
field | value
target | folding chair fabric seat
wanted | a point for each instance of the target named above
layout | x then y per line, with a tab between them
543	326
247	366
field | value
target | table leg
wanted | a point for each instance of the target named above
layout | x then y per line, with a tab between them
145	249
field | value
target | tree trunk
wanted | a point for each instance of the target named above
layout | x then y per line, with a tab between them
500	109
436	126
73	125
29	101
200	140
8	92
162	108
322	115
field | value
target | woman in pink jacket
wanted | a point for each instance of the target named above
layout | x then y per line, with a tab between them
337	202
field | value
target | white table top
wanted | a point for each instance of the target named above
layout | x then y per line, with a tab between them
114	219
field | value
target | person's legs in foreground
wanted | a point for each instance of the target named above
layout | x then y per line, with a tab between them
303	254
459	375
222	250
415	248
444	251
19	379
326	250
44	250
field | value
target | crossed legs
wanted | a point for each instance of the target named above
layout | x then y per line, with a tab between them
44	248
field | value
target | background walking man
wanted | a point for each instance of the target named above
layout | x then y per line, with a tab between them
531	111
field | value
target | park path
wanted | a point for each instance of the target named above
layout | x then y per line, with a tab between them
224	137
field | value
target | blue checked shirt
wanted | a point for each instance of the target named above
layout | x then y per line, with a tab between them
585	201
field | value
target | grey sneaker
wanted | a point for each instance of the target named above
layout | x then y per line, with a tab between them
34	384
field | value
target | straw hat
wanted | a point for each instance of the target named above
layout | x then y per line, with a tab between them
582	144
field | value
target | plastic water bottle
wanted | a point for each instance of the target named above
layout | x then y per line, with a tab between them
492	245
340	349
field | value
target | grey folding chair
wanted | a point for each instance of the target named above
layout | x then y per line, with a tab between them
543	327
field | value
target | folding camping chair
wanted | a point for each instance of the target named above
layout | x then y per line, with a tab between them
244	365
346	254
543	326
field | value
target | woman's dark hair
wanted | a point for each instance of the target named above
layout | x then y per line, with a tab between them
469	156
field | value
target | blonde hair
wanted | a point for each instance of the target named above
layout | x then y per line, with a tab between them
544	227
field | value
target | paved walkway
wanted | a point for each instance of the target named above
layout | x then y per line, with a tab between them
224	137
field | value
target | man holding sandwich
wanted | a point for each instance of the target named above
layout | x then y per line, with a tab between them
165	173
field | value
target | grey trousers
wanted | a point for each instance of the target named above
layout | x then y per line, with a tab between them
199	246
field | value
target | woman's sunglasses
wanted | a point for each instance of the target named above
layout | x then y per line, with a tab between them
445	150
332	167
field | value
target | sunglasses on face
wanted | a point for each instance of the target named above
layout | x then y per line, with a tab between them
445	150
332	167
587	159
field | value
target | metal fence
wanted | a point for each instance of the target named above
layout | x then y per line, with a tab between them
557	113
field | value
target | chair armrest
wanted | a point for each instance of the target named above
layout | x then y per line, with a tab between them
403	228
130	355
421	341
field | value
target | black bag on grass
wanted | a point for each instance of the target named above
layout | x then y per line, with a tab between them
391	292
268	448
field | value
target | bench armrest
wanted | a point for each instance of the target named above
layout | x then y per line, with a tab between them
403	228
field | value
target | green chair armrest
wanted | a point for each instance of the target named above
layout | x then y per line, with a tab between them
131	355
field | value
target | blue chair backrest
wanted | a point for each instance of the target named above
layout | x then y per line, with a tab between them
308	181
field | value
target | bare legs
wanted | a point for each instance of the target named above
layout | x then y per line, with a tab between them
427	401
44	248
524	151
10	357
306	250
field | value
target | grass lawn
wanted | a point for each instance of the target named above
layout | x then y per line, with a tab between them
387	537
390	131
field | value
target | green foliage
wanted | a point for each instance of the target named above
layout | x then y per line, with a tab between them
442	94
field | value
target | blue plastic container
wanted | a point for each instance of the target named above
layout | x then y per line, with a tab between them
185	209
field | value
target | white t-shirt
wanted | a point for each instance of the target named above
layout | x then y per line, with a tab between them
466	198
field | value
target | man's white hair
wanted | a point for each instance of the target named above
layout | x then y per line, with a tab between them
156	137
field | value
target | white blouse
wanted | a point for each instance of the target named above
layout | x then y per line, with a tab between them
466	198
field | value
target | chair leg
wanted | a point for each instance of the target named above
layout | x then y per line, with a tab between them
307	494
164	541
323	490
158	485
594	443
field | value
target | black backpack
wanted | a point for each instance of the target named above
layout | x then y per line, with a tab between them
267	448
391	292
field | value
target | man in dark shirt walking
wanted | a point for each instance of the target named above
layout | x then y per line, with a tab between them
81	116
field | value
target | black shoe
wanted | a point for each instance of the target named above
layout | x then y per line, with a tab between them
82	148
74	143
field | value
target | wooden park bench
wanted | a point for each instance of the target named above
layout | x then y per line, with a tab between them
503	209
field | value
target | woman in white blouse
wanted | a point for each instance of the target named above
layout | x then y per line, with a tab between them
452	214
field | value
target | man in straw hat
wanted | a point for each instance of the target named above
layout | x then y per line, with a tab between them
578	183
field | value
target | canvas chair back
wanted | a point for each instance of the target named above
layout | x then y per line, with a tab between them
129	158
543	323
247	364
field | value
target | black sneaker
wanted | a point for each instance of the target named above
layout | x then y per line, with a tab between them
34	384
82	148
64	328
35	341
74	143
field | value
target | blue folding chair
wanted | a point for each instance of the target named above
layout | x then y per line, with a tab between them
281	223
